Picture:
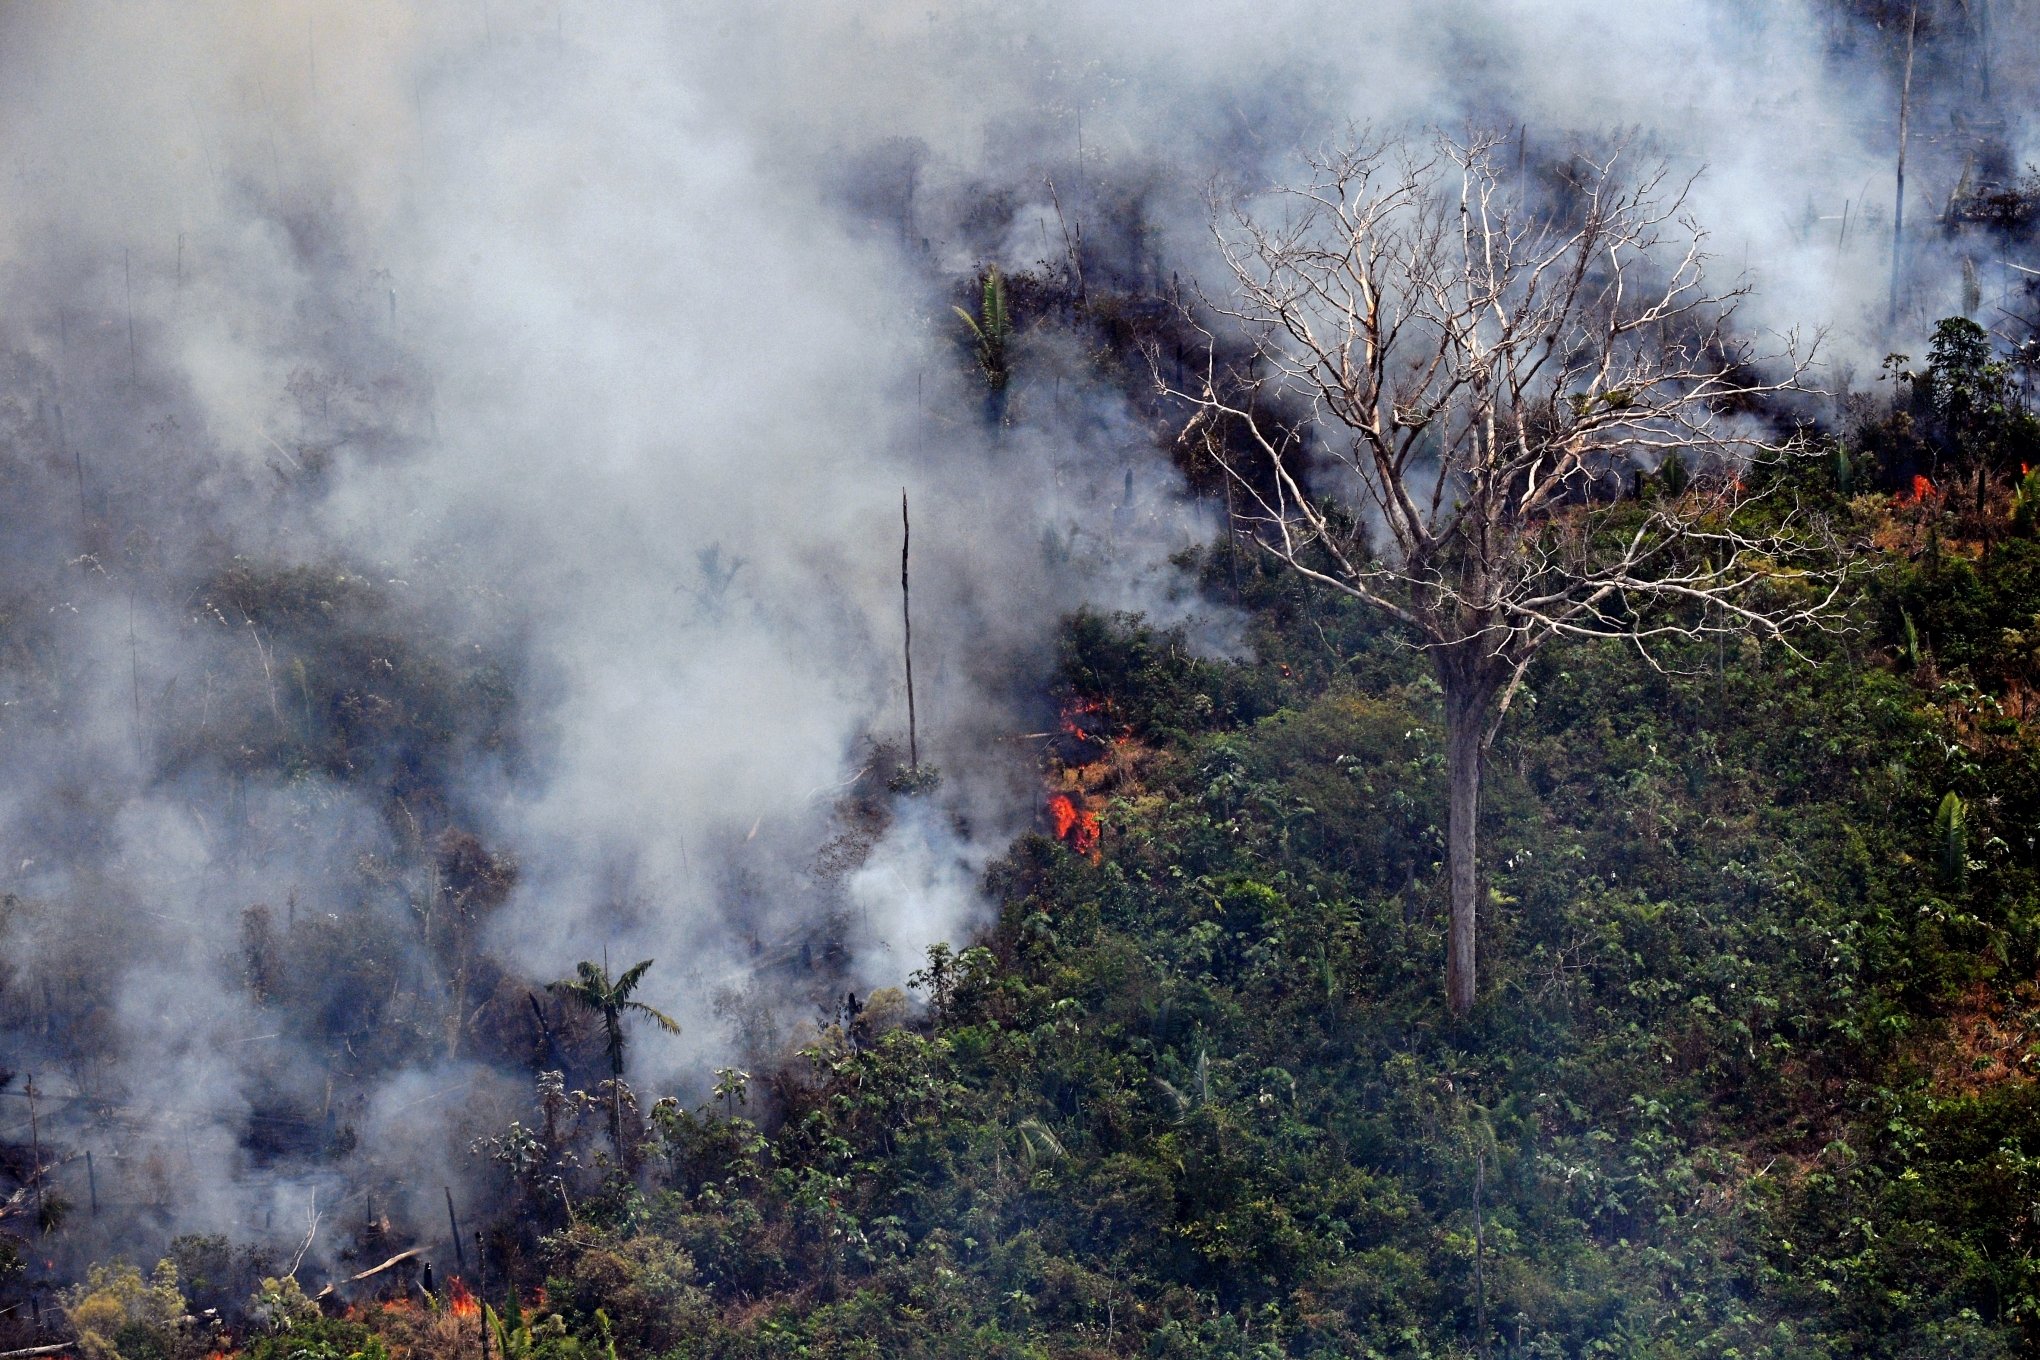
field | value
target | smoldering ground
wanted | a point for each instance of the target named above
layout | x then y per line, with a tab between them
455	452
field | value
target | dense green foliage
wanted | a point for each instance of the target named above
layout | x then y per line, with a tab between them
1724	1095
1752	1072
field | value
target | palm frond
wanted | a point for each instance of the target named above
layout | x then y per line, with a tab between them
627	984
657	1017
995	304
1040	1142
579	991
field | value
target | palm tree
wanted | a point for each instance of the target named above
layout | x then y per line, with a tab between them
594	991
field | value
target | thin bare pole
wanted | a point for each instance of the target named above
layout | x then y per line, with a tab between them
1080	149
907	618
1984	45
459	1252
1904	115
135	669
1480	1253
127	280
482	1292
35	1151
77	462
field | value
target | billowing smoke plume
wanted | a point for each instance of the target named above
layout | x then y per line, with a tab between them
454	458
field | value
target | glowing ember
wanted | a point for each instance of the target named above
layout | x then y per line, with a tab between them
1074	826
1090	720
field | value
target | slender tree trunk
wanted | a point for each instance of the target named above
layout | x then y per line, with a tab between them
907	617
1983	45
1898	202
1479	1256
616	1099
1466	706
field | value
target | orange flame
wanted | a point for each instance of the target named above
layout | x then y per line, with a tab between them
1075	826
1075	713
460	1302
1922	491
1092	720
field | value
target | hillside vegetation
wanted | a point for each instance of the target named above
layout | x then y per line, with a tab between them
1752	1073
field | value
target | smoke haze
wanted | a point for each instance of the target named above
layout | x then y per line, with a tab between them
554	371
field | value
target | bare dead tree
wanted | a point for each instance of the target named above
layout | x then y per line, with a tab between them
1434	394
1912	28
907	618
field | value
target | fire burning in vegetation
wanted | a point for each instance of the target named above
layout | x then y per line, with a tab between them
1093	751
1092	727
460	1302
1075	826
399	1304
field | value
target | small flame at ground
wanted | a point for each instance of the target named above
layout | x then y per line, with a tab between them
1093	722
1922	490
460	1302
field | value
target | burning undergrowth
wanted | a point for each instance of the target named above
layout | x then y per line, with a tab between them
1075	824
1091	757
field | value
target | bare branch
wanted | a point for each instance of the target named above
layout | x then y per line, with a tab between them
1476	377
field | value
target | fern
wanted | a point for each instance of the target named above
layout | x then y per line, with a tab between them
1951	829
991	329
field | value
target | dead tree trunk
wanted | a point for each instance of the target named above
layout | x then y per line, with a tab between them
1898	205
453	1221
1467	704
907	619
35	1154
